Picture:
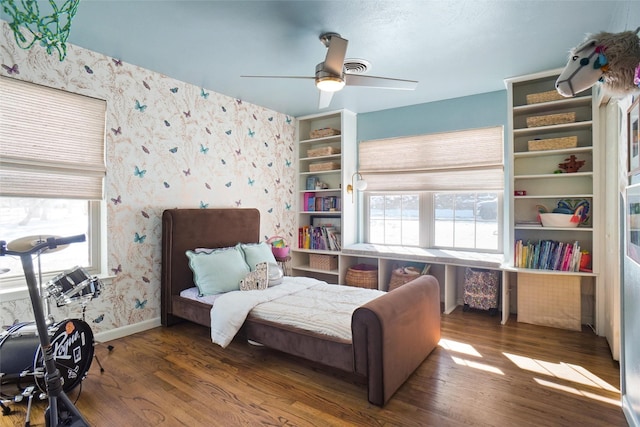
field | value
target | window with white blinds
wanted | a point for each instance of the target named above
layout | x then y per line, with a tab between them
51	142
468	160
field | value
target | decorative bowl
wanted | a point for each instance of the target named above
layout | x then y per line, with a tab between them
559	220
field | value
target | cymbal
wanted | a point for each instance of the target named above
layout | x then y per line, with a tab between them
25	243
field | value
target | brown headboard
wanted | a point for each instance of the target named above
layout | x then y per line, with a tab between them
184	229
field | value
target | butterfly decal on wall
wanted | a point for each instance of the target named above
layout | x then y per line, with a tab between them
277	180
270	164
144	214
139	172
207	129
288	119
287	162
138	238
173	150
166	184
11	70
270	210
146	279
204	94
116	200
117	62
146	85
223	162
239	151
224	110
251	181
166	123
174	90
206	184
99	319
270	119
239	101
187	114
88	70
140	107
287	206
117	270
254	165
203	149
228	184
145	149
117	131
251	133
277	136
203	205
187	172
140	304
238	203
228	132
266	191
254	117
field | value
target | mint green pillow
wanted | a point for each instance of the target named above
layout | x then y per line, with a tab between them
255	253
218	271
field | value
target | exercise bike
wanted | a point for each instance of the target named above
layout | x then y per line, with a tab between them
61	410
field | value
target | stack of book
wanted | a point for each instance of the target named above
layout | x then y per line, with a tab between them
547	255
314	203
326	238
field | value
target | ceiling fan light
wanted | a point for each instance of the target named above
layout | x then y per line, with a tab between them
329	83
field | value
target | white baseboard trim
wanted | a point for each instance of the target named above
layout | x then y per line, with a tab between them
127	330
627	409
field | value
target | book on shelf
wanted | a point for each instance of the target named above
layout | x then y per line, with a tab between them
325	238
547	255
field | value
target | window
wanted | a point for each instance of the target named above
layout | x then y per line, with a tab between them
441	190
51	173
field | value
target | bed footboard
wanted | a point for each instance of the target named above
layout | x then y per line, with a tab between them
393	334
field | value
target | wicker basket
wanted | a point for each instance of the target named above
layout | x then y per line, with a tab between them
536	98
324	132
400	276
324	166
551	119
553	143
362	276
323	151
323	262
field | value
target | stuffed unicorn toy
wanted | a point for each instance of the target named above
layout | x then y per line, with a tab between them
610	58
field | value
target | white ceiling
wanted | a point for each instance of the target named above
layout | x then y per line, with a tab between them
453	48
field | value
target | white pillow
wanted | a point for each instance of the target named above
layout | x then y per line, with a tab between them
218	271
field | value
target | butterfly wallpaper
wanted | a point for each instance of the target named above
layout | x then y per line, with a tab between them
169	144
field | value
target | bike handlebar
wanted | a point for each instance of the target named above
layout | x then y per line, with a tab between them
50	243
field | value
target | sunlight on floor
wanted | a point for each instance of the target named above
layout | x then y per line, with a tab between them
458	347
477	365
573	390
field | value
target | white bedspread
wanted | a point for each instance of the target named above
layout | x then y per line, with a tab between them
301	302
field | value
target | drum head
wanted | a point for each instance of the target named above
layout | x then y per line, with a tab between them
72	345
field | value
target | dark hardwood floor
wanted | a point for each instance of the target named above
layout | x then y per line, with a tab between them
481	374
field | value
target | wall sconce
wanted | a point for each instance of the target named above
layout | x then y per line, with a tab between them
359	184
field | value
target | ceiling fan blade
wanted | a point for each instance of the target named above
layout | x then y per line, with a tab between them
337	50
281	77
325	99
379	82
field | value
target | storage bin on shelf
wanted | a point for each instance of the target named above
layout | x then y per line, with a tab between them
323	262
553	143
323	151
362	276
551	119
550	95
323	166
324	132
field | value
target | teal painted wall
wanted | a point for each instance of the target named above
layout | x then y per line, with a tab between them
476	111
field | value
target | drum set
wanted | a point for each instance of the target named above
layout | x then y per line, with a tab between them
68	344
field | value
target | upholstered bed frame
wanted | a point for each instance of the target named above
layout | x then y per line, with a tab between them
392	335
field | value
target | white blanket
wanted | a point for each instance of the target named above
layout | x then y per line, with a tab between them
301	302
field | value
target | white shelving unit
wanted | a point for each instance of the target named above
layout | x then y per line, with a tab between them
342	161
536	173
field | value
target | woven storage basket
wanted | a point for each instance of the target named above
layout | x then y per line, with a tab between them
536	98
323	262
323	151
321	133
551	119
324	166
553	143
400	276
362	276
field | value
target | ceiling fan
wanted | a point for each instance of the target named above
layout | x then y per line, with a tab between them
331	75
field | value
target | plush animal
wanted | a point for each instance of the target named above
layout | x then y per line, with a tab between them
610	58
256	280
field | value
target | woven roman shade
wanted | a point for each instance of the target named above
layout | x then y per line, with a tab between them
51	142
469	160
